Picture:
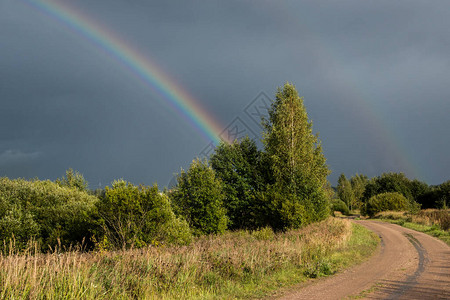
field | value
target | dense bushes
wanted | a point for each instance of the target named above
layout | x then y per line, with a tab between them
238	166
339	205
136	216
386	201
45	211
199	198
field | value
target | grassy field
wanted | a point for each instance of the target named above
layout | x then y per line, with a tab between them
435	222
234	265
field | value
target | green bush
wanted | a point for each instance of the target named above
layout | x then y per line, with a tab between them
136	216
199	198
45	211
339	205
386	201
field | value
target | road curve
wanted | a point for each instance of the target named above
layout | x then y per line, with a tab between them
408	265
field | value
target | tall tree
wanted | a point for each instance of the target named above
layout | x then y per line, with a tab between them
345	191
296	161
237	165
359	182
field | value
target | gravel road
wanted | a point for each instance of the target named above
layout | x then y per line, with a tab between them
407	265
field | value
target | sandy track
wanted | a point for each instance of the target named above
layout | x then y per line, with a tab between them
408	265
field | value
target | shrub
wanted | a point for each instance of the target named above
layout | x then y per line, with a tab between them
386	201
136	216
339	205
45	211
199	198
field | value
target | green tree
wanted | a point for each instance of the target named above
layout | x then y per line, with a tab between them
386	201
297	165
199	198
136	216
73	179
237	165
358	183
45	211
388	183
345	191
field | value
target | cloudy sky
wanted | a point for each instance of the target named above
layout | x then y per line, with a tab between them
374	76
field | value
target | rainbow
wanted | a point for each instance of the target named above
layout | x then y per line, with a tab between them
137	63
350	85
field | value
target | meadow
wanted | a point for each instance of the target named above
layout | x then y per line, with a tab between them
435	222
240	264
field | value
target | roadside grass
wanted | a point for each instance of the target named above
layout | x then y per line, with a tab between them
238	264
433	222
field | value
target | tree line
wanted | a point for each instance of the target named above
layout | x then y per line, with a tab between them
239	187
389	191
282	186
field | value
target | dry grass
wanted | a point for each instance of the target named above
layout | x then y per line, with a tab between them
427	217
213	266
435	222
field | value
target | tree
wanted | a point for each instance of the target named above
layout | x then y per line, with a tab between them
47	212
199	198
136	216
345	191
73	179
384	202
358	183
297	165
388	183
237	165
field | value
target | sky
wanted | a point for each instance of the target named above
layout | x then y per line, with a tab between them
373	74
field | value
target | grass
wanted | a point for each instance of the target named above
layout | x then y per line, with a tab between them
234	265
433	222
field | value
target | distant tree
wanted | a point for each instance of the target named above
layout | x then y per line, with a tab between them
388	183
73	179
297	165
436	197
358	183
199	197
384	202
237	165
418	188
345	191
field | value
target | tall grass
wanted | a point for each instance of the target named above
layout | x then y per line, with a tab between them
232	265
435	222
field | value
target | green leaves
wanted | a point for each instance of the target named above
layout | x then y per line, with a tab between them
136	216
45	211
238	166
199	198
297	165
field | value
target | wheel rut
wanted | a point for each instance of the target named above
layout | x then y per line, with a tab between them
408	265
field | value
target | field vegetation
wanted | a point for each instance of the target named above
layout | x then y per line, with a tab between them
58	239
435	222
233	265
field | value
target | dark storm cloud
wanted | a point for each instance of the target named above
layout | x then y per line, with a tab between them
65	103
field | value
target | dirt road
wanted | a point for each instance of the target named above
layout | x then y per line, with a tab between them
408	265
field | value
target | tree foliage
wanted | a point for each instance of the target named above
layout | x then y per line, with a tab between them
238	166
386	201
297	165
358	183
73	179
388	183
45	211
345	191
136	216
199	198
